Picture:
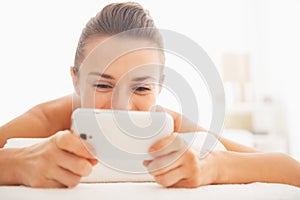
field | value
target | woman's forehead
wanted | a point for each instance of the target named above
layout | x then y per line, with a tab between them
134	66
120	56
113	47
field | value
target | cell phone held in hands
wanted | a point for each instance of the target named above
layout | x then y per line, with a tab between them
119	136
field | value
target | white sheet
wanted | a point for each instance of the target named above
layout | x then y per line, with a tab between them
151	191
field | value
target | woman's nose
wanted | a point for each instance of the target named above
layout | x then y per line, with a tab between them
121	100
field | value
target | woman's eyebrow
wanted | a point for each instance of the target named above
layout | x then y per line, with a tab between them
142	78
102	75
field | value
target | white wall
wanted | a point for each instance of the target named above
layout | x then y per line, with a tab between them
279	57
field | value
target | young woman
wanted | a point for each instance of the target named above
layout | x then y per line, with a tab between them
62	160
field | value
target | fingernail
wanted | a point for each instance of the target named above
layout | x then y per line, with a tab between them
152	149
146	162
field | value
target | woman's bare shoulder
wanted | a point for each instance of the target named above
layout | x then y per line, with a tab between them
66	103
60	109
42	120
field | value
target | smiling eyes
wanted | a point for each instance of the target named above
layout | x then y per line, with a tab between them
107	87
141	89
102	86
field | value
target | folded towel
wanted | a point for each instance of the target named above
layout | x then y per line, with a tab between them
102	173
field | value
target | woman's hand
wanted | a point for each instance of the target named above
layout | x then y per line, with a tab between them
60	161
177	165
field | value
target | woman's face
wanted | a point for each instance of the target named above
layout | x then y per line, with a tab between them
128	81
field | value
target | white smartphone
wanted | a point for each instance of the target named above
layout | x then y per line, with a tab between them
120	138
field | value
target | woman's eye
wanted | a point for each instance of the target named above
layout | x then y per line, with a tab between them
102	86
141	89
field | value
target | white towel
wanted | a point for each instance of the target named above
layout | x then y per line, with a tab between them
102	173
150	191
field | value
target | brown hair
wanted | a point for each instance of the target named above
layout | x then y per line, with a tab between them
116	18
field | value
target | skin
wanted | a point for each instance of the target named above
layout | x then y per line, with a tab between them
62	160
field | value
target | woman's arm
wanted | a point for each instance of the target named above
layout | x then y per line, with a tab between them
42	120
184	125
256	167
236	147
176	166
59	161
240	164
